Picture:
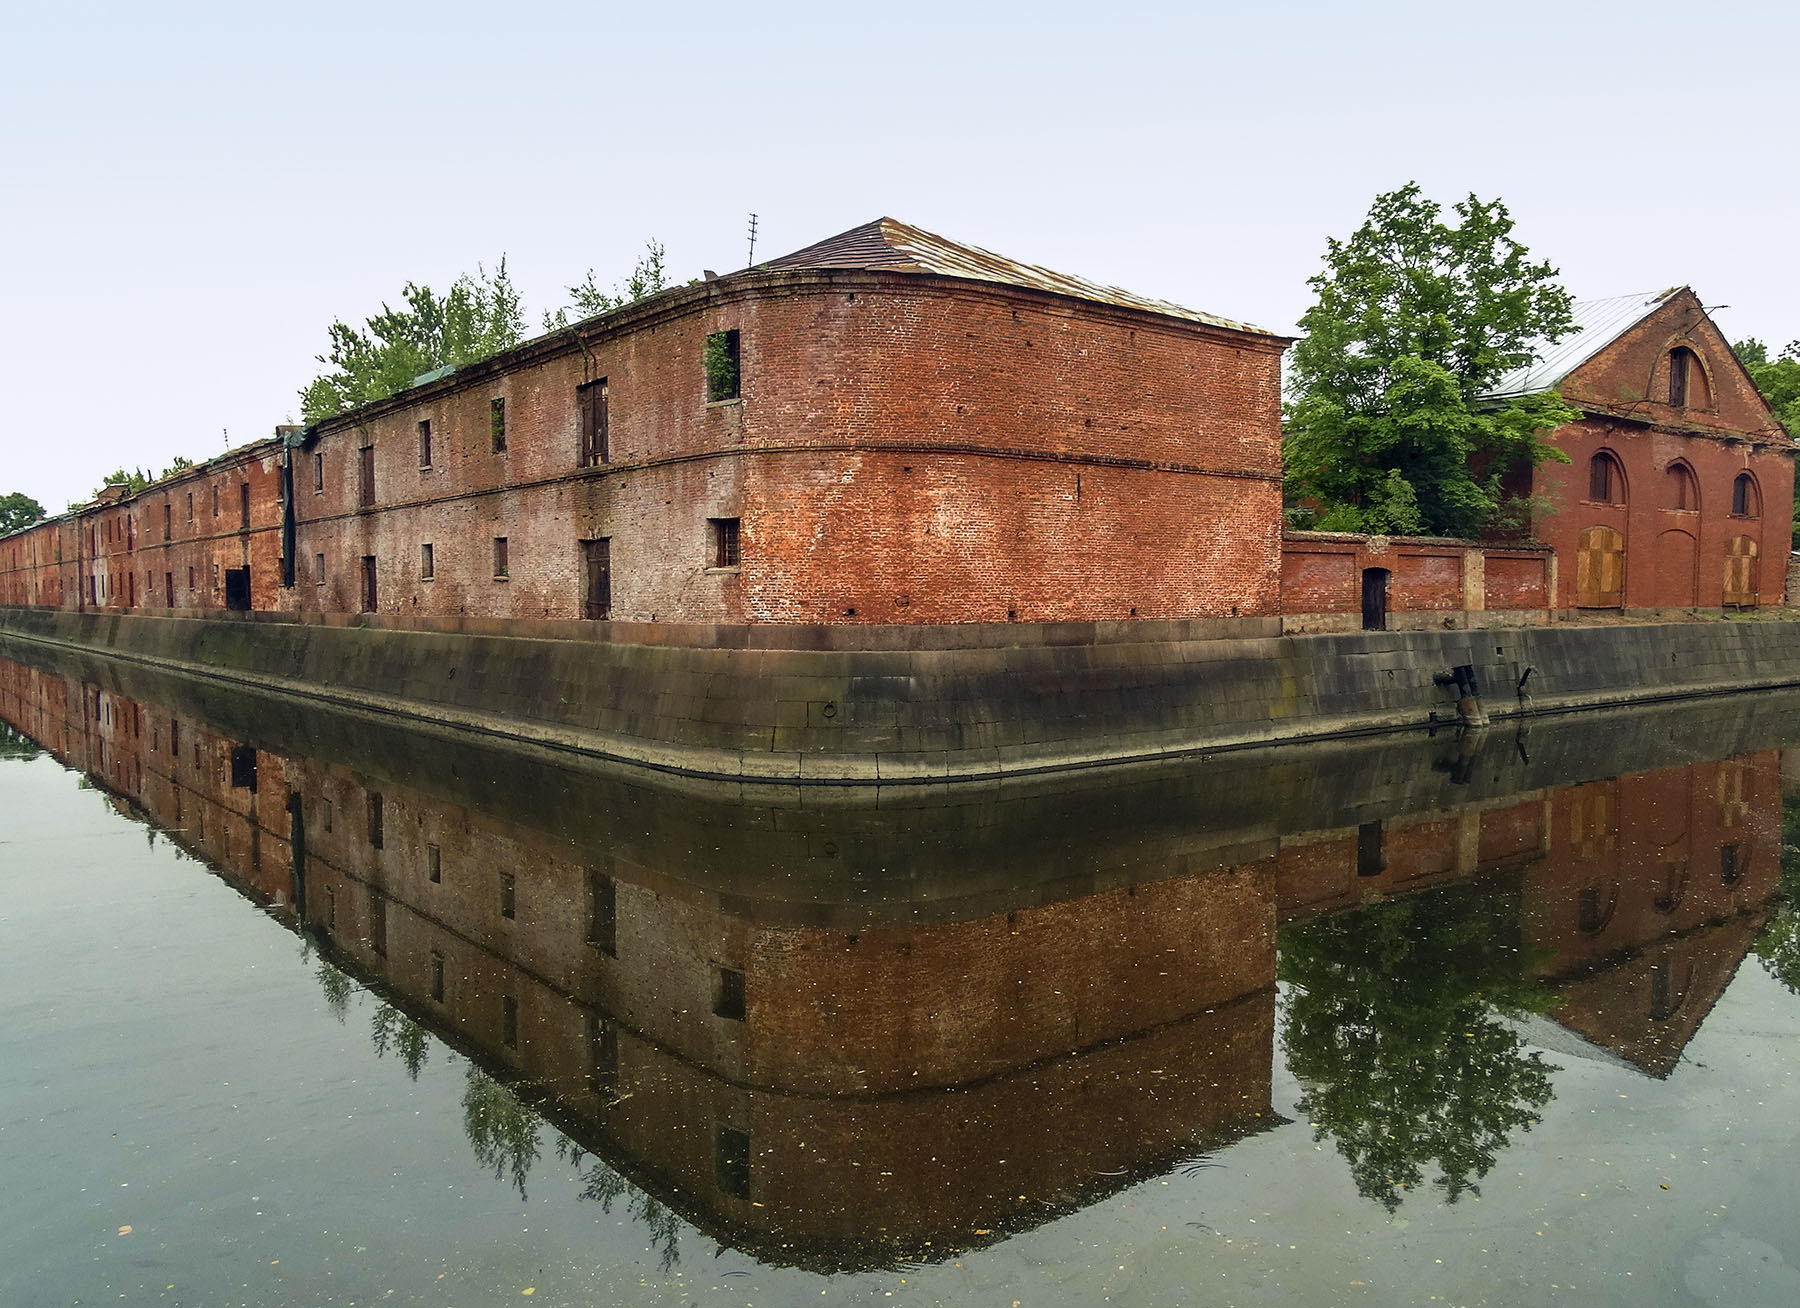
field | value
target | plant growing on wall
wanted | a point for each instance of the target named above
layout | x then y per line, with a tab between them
478	317
647	278
721	366
1387	429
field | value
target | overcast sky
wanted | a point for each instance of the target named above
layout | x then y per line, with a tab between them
193	192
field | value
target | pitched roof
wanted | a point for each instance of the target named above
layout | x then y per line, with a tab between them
1601	322
889	244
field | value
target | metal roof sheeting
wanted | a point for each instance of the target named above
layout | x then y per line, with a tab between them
891	245
1601	322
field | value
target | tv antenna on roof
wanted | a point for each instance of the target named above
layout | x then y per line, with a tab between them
752	262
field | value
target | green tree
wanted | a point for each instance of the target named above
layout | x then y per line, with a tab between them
478	317
17	509
179	464
647	278
502	1131
1393	1027
1388	429
134	480
1779	381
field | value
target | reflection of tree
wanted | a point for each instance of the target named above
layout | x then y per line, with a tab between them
336	987
409	1039
16	744
1779	945
1393	1026
502	1131
603	1185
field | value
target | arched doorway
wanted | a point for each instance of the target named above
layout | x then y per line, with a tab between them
1740	571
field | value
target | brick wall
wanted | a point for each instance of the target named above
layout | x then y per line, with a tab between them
1430	582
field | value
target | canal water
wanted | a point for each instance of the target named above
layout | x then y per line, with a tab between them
306	1008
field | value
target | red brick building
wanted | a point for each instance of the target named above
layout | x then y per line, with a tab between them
1680	489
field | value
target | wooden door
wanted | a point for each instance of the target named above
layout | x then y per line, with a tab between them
596	569
1600	569
1374	599
1740	571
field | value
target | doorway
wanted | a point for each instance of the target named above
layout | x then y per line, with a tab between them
596	574
1374	599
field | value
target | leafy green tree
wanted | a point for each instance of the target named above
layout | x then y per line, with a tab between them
17	509
1388	429
179	465
1393	1026
502	1131
1779	381
1779	945
478	317
133	479
647	278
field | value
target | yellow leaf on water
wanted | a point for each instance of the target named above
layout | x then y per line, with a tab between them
530	1289
126	1230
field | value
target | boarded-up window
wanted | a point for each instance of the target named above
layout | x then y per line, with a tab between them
591	405
1740	571
1600	569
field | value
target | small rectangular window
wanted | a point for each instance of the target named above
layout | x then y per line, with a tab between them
728	992
378	923
596	441
509	1022
243	768
500	559
318	472
331	908
497	423
191	575
366	481
215	491
318	570
509	905
426	566
603	912
604	1062
721	366
325	814
190	506
723	533
425	443
369	578
437	977
731	1162
168	520
434	865
243	503
375	817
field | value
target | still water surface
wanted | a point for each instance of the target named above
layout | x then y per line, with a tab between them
308	1010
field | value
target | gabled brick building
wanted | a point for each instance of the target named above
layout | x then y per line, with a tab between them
1679	493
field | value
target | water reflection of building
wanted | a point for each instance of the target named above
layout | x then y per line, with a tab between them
844	1034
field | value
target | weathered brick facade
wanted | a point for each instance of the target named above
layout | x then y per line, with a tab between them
1692	503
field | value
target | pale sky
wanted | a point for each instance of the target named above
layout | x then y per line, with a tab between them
194	191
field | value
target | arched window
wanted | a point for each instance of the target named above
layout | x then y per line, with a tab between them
1745	502
1687	380
1606	479
1680	490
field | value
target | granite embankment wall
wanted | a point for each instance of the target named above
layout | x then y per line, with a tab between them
852	705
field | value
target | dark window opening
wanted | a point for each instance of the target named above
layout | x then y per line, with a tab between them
722	366
169	589
509	1022
190	506
243	768
603	912
375	814
427	565
1606	484
378	923
318	570
237	589
1680	360
437	977
731	1162
497	423
168	521
604	1060
319	472
244	504
366	482
724	542
368	583
728	992
434	865
1370	861
215	491
1743	497
509	904
500	559
596	581
331	908
425	443
1374	599
325	814
596	440
1730	866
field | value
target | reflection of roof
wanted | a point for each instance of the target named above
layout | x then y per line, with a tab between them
900	247
1599	323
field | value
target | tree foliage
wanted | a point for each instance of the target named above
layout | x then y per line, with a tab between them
1394	1028
647	278
17	509
1388	427
133	479
1779	945
1779	381
479	316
